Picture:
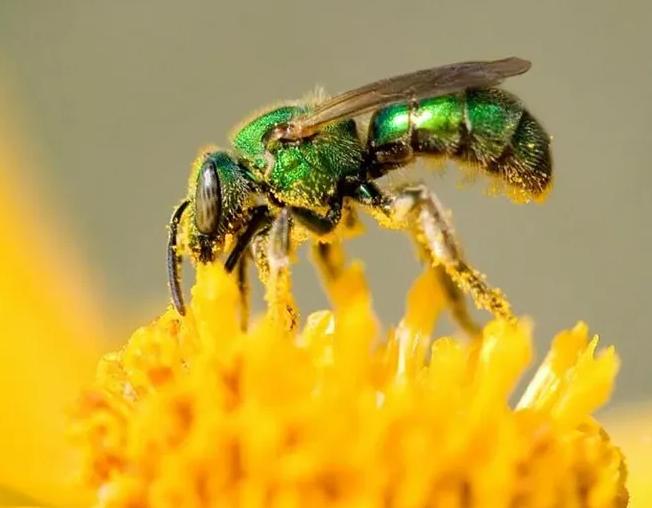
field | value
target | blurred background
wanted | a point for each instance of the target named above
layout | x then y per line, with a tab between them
116	98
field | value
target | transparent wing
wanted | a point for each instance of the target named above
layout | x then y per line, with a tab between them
417	85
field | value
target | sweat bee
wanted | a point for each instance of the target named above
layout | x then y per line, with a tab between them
296	172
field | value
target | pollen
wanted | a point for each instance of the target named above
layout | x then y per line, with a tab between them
194	412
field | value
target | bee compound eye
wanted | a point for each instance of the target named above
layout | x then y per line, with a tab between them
208	200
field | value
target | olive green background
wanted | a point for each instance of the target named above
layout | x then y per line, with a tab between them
117	98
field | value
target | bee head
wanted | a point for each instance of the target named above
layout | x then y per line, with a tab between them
220	192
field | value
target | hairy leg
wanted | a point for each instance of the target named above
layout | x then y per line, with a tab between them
418	210
271	254
238	259
319	224
245	292
328	253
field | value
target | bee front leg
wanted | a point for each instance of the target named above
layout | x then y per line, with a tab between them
271	253
174	259
238	259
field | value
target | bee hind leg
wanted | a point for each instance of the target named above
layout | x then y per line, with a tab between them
418	210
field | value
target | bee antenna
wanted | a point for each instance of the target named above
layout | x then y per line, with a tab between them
174	259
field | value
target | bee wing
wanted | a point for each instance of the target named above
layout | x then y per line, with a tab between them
417	85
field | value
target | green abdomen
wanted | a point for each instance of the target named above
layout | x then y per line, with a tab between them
488	129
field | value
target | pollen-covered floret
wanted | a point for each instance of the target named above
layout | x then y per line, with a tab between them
196	413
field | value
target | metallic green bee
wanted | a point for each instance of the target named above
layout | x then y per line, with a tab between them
300	172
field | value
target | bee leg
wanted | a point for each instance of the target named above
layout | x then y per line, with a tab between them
318	224
238	259
259	219
243	286
418	210
330	259
259	255
271	252
455	298
433	231
328	254
174	259
278	244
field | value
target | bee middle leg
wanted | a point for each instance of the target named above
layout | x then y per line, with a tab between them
245	291
418	210
271	254
319	224
329	255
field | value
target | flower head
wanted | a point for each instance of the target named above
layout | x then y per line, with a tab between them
195	412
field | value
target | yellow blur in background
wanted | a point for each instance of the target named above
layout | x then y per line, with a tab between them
103	106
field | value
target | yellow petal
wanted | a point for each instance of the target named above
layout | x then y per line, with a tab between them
631	428
50	332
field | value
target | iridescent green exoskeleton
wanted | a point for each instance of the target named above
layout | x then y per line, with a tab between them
302	170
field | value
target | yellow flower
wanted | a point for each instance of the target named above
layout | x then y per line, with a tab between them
196	413
51	336
631	428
